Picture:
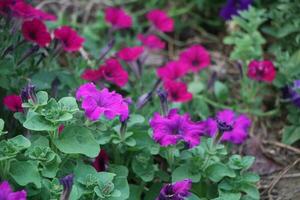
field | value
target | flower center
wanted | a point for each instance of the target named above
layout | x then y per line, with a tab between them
223	126
195	62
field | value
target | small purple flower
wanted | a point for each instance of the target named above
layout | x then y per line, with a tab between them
6	192
292	93
232	7
233	128
97	102
170	129
67	183
176	191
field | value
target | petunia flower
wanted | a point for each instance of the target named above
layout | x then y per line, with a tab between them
176	191
6	192
117	17
169	130
25	11
5	6
113	72
292	93
234	128
67	183
177	91
173	70
160	20
130	54
102	102
196	57
13	103
151	41
93	75
69	38
261	71
101	161
36	31
232	7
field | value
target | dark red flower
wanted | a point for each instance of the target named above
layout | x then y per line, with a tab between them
13	103
26	11
196	57
161	20
172	70
130	54
177	91
261	71
151	41
101	161
61	128
112	71
36	31
70	39
117	17
93	75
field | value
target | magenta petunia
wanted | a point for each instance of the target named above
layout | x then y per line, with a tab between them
13	103
113	72
5	6
177	91
93	75
6	192
261	71
234	128
160	20
196	57
130	54
173	70
151	41
169	130
36	31
117	17
101	161
102	102
27	12
69	38
176	191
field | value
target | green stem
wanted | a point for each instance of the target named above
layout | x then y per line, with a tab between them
170	157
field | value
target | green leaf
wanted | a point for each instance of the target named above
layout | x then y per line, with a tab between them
135	119
153	191
194	197
250	177
77	140
1	125
120	181
37	122
42	97
135	192
20	142
68	104
250	190
25	172
228	196
291	134
184	172
218	171
196	87
142	166
221	91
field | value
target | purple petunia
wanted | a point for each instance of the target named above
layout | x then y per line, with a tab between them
234	128
176	191
6	192
232	7
102	102
292	93
169	130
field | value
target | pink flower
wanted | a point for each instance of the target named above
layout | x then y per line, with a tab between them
176	191
151	41
160	20
93	75
173	128
113	72
196	57
173	70
61	128
6	192
13	103
234	128
70	39
102	102
130	54
177	91
26	11
117	17
36	31
101	161
261	71
5	6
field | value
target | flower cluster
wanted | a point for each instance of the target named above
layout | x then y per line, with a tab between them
102	102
